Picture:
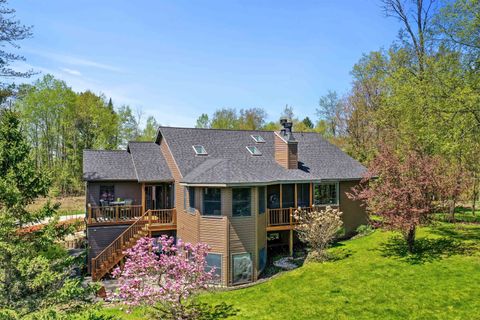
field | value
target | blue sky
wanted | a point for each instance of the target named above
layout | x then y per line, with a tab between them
177	59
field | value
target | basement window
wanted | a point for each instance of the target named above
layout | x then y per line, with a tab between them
200	150
258	138
254	151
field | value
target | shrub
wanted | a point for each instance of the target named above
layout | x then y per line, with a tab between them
318	229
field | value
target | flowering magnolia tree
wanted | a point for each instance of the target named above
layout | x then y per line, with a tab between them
318	228
164	276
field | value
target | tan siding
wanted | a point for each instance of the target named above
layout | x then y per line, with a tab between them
243	234
354	214
187	223
213	231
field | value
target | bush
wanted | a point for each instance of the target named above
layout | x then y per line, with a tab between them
318	229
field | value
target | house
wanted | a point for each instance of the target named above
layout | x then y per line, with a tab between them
228	188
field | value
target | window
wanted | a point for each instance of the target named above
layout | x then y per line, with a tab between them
262	259
200	150
214	260
241	202
254	151
258	138
212	203
303	195
325	194
288	195
242	268
107	193
261	200
191	199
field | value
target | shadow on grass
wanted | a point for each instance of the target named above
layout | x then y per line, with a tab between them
426	249
458	232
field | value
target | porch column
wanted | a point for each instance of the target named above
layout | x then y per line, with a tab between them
311	194
281	199
143	198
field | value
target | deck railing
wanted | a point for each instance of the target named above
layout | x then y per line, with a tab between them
103	262
163	216
284	216
114	214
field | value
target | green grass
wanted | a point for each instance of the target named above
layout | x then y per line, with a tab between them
376	279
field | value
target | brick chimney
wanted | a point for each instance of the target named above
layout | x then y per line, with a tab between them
286	147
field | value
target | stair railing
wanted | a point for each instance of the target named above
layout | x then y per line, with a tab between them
118	246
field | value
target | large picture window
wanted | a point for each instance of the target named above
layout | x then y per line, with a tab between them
241	202
326	194
261	200
212	203
242	268
214	260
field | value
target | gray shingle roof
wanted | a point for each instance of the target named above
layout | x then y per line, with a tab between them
108	165
149	162
229	162
142	162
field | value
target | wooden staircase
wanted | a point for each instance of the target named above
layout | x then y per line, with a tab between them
114	253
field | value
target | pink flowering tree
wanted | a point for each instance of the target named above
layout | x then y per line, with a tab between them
165	276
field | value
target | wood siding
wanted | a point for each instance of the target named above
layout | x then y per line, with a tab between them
354	214
123	189
187	222
242	232
286	153
100	237
213	231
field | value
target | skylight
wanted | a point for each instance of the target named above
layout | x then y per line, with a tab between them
258	138
200	150
254	151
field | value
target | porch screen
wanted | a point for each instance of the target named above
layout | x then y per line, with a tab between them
107	193
325	194
303	195
288	196
212	203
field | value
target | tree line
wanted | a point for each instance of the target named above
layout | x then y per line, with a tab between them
60	123
421	94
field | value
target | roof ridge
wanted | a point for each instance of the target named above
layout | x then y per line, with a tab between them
215	129
101	150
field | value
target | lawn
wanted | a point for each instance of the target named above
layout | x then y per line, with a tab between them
374	278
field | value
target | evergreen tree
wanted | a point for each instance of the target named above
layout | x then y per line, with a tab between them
35	271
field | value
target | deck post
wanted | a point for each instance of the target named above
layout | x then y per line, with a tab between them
290	243
116	213
89	210
143	198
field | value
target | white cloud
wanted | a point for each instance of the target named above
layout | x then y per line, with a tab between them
74	61
71	71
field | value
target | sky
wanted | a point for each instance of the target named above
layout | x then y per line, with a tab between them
178	59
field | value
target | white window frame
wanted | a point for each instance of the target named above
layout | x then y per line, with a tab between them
253	153
200	153
254	137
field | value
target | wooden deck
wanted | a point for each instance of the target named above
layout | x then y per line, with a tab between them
283	218
147	222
